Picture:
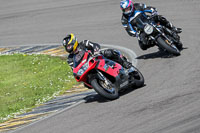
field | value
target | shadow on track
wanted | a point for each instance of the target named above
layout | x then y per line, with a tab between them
100	99
158	54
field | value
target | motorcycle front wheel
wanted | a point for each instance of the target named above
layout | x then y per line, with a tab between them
170	48
107	91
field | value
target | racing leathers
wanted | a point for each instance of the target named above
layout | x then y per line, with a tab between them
141	9
111	54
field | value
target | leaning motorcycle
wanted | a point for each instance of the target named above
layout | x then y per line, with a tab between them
105	76
157	34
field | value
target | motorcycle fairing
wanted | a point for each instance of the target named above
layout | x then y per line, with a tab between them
91	65
110	67
105	65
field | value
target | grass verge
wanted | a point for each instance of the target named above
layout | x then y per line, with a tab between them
29	80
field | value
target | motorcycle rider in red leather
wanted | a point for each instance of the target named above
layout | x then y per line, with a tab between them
130	11
72	46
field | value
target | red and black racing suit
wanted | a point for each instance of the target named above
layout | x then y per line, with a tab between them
111	54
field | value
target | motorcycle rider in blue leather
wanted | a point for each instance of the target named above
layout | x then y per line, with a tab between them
133	10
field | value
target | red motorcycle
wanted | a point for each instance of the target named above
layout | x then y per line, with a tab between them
105	76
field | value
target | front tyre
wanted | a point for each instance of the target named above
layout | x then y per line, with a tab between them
109	92
170	48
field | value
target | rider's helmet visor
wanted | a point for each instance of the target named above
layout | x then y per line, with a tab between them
127	10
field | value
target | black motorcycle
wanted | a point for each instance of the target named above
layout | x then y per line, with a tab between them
157	34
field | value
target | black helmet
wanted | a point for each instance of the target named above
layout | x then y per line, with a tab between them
70	43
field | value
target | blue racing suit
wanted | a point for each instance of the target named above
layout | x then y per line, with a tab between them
127	21
130	26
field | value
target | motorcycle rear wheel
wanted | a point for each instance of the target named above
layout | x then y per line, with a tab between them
138	78
168	47
103	91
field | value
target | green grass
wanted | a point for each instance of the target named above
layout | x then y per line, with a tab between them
29	80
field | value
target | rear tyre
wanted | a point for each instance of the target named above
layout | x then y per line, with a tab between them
138	78
180	45
110	93
169	48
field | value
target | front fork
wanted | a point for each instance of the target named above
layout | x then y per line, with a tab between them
103	78
168	41
163	34
109	86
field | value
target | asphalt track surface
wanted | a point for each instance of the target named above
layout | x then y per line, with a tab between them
170	101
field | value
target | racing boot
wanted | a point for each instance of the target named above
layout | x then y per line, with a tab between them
124	62
116	55
177	30
173	28
168	24
127	64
